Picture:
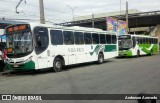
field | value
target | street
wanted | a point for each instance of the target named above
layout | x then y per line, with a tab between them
115	76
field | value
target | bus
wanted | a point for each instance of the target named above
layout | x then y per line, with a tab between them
37	46
137	45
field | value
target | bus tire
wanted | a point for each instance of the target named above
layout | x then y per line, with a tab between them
57	65
100	58
138	54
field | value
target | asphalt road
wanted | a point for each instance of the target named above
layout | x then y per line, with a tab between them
115	76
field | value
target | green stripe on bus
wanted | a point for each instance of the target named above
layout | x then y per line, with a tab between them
26	66
147	48
110	48
125	53
105	48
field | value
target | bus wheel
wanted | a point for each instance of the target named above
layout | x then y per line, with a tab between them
57	65
100	58
138	54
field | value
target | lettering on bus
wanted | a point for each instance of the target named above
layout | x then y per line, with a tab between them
75	49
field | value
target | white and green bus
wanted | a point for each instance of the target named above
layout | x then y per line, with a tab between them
37	46
136	45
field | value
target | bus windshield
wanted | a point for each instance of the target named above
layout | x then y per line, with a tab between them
125	44
20	44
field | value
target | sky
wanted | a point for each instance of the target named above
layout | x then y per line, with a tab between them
58	11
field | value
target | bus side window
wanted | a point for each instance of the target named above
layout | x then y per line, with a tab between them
56	37
134	41
156	41
68	37
78	37
95	38
141	40
114	39
149	40
144	39
42	39
152	41
102	39
108	38
41	36
137	38
87	38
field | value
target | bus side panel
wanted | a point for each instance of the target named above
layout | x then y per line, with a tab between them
58	50
155	48
110	51
82	54
93	51
147	48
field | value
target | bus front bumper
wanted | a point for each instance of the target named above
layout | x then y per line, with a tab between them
26	66
126	53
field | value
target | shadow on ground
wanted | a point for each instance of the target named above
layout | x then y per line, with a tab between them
49	70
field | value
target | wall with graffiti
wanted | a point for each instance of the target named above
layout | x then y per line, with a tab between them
111	24
115	25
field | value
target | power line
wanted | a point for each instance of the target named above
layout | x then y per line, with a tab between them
48	15
48	19
37	7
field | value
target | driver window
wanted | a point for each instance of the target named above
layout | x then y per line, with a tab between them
41	38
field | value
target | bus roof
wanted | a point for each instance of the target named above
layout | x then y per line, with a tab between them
77	28
139	36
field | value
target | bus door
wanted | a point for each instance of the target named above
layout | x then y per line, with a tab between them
41	48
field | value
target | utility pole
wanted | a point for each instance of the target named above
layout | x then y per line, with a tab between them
120	7
72	8
92	20
127	17
42	18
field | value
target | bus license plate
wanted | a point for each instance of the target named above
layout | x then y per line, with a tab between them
16	66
